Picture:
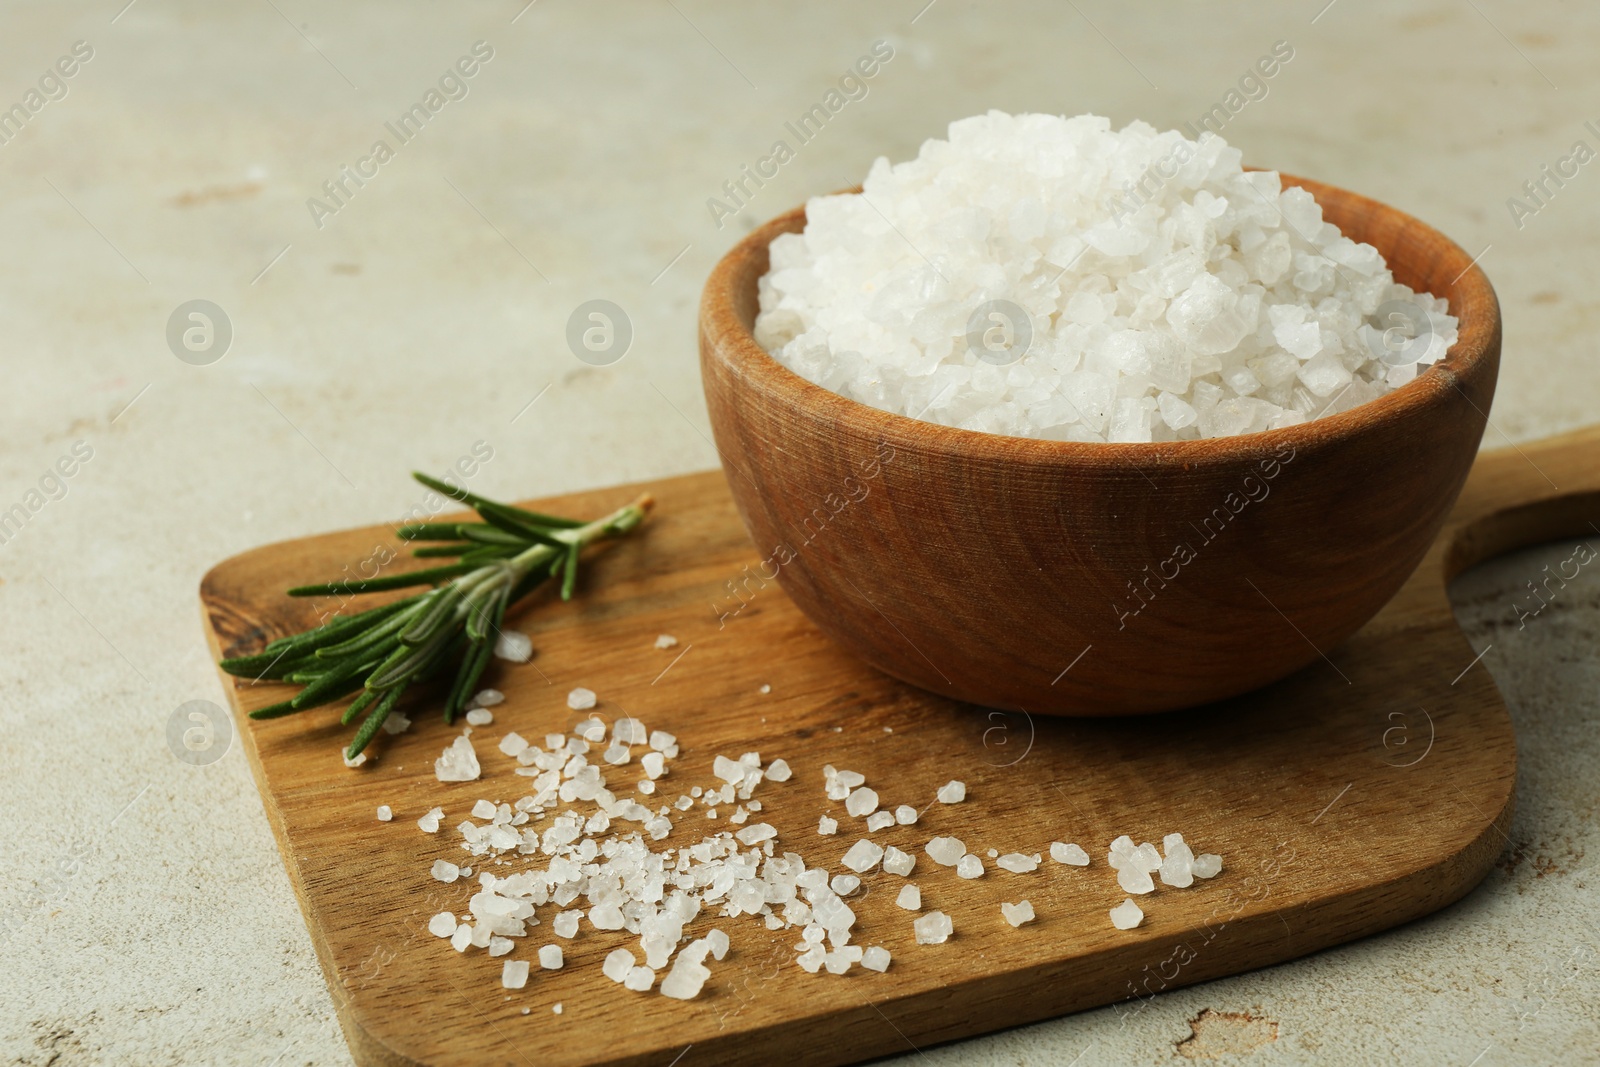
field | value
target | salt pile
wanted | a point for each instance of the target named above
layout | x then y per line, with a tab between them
1047	277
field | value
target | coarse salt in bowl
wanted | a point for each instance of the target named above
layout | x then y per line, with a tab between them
1070	576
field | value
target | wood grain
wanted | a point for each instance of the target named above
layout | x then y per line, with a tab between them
1370	788
988	563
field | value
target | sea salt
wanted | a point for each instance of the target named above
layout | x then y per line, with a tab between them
1177	869
862	856
442	924
458	763
844	884
897	862
933	928
778	771
1017	863
952	792
480	717
618	965
905	815
1127	915
861	802
1049	277
445	871
514	646
909	898
1071	855
385	813
429	823
666	641
514	974
565	924
969	866
513	745
876	958
946	851
1018	913
879	820
1207	865
827	826
581	699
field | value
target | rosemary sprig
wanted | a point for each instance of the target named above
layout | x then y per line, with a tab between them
382	651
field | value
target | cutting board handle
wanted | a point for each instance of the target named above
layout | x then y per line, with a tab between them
1525	495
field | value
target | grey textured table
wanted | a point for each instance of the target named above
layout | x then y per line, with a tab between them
147	918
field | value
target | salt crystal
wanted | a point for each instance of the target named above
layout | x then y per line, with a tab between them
905	815
969	866
1072	855
385	813
1127	915
685	980
876	958
765	689
879	820
618	964
910	897
396	723
654	764
1207	865
660	740
861	802
718	943
556	1008
666	641
756	833
1017	863
1177	869
461	938
566	923
946	851
844	884
827	826
862	856
442	924
429	823
778	771
933	928
361	757
458	763
952	792
581	699
606	917
1134	880
483	809
1018	913
513	745
514	646
640	979
499	946
445	871
480	717
897	862
514	974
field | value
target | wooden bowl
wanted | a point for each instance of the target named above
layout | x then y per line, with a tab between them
1094	579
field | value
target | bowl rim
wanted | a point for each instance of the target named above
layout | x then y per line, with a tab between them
1471	297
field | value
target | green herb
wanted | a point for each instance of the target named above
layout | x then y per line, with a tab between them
382	651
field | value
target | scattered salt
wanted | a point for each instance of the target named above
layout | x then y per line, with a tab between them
666	641
952	792
385	813
458	763
513	745
897	862
618	964
718	943
778	771
1072	855
1018	913
445	871
827	826
876	958
429	823
442	924
969	866
844	884
1207	865
879	820
1017	863
910	897
863	856
1127	915
861	802
581	699
514	974
514	645
480	717
933	928
905	815
565	924
639	979
946	851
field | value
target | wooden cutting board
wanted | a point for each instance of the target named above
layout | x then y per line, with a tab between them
1369	789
